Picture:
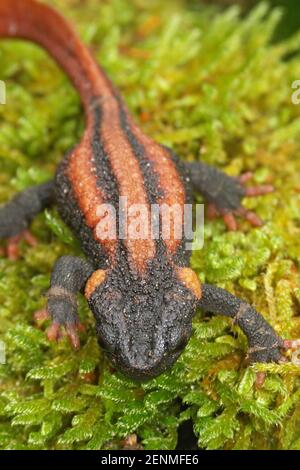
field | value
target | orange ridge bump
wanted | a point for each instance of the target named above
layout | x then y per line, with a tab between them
190	279
96	279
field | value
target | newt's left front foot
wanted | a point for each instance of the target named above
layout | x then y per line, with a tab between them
62	308
224	193
57	330
229	214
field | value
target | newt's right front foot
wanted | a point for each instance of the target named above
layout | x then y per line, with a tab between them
57	331
70	327
69	277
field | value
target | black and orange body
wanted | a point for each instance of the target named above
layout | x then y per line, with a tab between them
141	291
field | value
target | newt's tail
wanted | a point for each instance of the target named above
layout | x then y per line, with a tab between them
39	23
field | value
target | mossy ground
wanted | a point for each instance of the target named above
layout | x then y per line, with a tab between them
208	84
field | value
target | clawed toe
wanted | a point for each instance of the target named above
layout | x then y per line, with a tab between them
212	211
253	191
261	190
41	315
12	250
244	177
292	344
252	218
230	221
56	331
260	379
228	217
72	333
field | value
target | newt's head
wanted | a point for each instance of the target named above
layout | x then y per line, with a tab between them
145	322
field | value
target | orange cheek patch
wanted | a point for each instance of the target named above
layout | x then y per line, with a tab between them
190	279
96	279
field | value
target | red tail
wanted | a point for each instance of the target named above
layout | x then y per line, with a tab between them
31	20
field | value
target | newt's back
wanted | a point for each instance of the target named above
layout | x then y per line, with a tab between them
115	164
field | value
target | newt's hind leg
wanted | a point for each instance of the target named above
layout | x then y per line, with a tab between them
224	193
69	277
18	213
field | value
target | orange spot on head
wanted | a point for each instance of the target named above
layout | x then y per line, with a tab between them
190	279
96	279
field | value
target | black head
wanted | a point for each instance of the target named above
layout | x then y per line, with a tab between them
144	322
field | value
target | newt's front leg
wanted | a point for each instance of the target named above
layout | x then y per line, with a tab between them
224	193
264	344
17	214
69	277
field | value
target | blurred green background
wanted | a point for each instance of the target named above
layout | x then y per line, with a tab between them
291	18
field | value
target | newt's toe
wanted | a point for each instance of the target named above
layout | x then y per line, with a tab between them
292	344
72	333
13	244
230	221
261	190
54	332
252	191
251	216
57	330
41	315
244	177
257	190
212	211
260	379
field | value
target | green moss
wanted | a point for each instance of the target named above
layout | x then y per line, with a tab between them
208	84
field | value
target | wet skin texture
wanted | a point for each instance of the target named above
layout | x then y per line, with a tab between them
142	293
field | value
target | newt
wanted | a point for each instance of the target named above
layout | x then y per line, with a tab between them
142	292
